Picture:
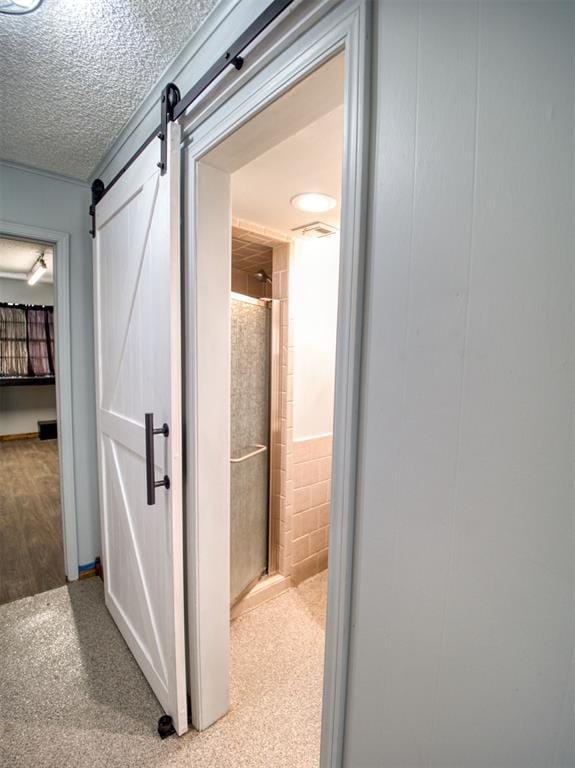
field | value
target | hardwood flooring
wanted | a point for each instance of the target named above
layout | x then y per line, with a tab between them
31	545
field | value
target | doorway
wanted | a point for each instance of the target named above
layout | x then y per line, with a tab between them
31	536
144	201
248	191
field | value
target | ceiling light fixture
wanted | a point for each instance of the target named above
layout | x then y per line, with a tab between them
37	270
19	7
313	202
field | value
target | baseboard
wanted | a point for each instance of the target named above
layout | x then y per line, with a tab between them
23	436
89	570
264	590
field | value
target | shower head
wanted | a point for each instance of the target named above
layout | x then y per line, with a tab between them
262	276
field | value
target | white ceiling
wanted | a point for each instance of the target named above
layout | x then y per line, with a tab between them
304	153
309	161
74	71
17	257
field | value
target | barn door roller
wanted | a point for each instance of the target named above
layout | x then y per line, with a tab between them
170	97
173	105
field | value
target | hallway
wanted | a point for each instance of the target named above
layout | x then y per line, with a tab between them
73	694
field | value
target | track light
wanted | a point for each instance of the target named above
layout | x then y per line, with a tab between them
37	270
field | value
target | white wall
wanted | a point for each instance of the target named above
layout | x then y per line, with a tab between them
463	613
42	200
313	295
19	291
22	407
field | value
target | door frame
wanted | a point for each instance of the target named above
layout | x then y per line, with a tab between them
61	244
291	55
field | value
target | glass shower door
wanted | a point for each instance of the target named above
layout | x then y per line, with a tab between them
250	428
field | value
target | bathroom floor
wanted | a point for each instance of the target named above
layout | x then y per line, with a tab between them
71	693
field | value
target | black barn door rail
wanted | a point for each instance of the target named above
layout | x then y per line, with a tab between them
173	105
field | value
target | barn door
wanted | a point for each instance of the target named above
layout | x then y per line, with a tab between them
138	372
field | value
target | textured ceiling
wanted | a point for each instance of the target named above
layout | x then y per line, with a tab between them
17	257
75	70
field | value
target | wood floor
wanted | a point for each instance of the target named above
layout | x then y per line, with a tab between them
31	549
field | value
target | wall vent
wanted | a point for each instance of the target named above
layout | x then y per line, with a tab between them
315	229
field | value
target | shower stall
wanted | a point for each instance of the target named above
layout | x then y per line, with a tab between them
250	460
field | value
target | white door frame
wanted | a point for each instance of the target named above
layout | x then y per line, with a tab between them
294	51
61	243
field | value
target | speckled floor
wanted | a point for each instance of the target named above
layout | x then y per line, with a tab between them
71	693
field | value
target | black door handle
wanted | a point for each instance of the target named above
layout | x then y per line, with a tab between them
151	482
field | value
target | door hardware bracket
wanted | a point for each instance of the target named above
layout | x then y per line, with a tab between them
98	190
170	97
237	61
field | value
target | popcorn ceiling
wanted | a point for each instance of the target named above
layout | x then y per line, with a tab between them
73	72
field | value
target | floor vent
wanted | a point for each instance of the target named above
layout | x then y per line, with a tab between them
48	430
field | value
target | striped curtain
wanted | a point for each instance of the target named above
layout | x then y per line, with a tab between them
39	360
26	341
13	338
50	325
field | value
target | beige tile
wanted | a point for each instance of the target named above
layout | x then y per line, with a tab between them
318	539
305	569
276	478
323	515
324	468
305	522
284	312
322	560
289	387
281	257
302	499
320	493
305	474
322	446
301	549
303	450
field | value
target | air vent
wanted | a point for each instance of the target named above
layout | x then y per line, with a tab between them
315	229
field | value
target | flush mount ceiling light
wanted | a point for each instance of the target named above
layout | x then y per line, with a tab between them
313	202
37	271
19	7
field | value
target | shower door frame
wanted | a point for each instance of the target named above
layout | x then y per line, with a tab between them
275	429
272	305
314	32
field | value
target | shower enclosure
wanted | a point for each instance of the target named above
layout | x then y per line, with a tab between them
250	442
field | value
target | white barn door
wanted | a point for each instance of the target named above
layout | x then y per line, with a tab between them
138	372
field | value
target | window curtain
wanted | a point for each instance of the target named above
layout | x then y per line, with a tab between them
13	342
39	360
50	326
26	341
